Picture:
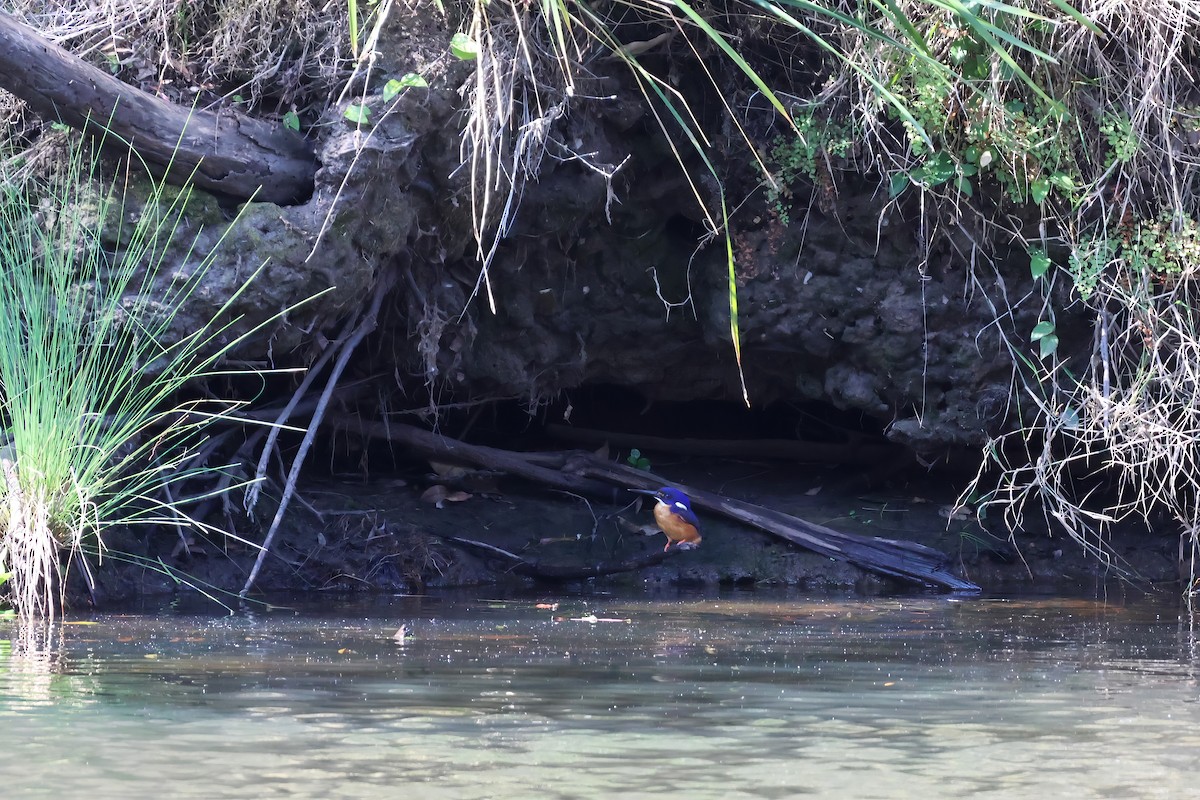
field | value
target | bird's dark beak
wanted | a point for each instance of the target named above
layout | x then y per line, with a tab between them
647	492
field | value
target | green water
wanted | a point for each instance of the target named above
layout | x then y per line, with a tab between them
708	697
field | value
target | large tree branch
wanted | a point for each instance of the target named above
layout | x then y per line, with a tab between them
585	473
228	152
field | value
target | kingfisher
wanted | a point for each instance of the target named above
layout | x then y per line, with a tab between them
674	515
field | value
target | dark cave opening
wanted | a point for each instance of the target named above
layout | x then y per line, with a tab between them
588	417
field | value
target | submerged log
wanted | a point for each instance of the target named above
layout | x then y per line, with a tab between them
586	473
229	153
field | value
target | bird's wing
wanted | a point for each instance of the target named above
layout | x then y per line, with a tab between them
683	511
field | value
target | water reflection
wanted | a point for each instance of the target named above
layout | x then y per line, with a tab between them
701	697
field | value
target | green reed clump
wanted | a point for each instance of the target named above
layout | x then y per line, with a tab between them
91	434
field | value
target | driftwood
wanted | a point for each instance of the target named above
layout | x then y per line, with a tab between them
586	473
895	558
229	153
443	448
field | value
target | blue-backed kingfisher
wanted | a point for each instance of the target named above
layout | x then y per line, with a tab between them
674	515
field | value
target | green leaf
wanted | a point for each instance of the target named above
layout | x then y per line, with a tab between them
936	170
1058	110
899	182
964	186
1039	262
77	399
1062	181
911	44
358	114
464	47
1070	417
976	68
1039	190
1047	345
1041	331
291	121
395	87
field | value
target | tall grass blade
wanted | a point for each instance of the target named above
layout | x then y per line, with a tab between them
92	434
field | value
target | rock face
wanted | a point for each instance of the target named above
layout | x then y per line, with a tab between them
840	306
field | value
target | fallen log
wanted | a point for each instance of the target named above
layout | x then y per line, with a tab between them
908	561
586	473
228	152
442	448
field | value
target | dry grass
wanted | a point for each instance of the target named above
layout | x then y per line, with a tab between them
1113	429
274	54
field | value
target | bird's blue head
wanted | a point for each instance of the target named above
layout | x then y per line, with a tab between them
677	500
668	496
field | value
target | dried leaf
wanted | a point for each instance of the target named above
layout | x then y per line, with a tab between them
439	495
957	513
447	471
434	494
636	49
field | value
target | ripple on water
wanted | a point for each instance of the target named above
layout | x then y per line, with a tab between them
902	698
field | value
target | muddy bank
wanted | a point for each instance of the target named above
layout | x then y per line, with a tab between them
379	535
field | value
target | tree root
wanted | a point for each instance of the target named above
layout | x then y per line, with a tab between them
365	326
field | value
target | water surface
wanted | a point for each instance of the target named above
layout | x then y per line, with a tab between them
708	697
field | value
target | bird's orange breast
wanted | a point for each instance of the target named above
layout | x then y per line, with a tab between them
675	527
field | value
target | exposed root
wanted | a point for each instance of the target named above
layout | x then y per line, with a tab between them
365	326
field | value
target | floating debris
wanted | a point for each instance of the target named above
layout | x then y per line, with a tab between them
592	618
